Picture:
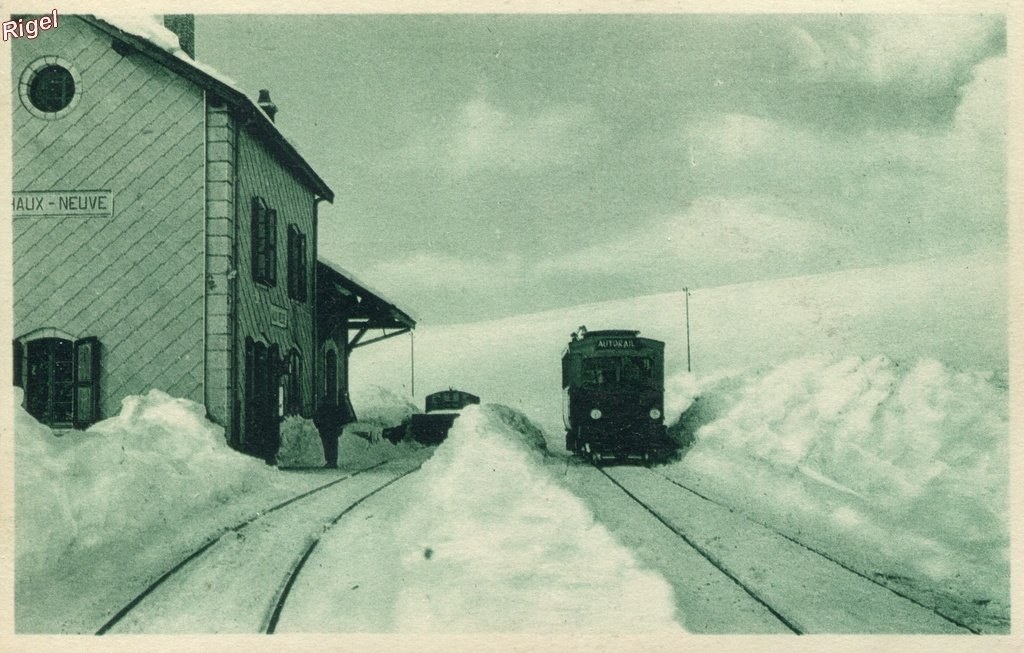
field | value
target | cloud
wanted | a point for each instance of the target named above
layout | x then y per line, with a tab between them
430	272
714	232
483	137
982	111
954	175
926	49
927	52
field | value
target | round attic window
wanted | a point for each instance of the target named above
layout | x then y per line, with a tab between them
49	88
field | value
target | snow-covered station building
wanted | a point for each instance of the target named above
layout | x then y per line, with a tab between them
165	237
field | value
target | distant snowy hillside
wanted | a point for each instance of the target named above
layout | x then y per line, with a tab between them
951	310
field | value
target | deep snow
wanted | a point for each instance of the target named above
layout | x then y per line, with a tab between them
483	539
139	488
902	471
514	551
883	443
866	410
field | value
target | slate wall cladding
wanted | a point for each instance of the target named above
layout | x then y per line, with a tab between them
134	280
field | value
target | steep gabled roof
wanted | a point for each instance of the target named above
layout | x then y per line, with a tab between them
150	38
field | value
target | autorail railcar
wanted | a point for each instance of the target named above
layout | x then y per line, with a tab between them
613	384
442	408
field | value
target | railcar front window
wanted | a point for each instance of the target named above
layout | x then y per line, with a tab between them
637	370
601	371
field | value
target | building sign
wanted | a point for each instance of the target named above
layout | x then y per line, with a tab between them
616	343
63	204
279	316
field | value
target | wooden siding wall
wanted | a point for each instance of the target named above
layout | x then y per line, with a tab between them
220	233
260	174
134	280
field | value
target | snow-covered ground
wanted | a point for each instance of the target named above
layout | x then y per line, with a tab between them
483	540
96	508
868	419
865	409
900	470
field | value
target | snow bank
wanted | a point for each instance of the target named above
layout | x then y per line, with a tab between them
301	445
378	405
491	543
904	467
150	466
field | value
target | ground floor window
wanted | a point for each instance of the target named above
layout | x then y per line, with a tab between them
60	378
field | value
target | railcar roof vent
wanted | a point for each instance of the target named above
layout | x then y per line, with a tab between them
267	104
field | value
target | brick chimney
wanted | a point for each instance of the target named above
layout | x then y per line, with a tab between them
264	102
184	25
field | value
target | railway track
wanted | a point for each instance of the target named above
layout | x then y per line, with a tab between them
746	555
710	557
951	619
275	614
238	532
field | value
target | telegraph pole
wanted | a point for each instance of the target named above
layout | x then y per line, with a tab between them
412	362
686	291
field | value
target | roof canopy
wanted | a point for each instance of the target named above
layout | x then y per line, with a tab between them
341	298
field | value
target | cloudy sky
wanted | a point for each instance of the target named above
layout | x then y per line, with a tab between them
492	165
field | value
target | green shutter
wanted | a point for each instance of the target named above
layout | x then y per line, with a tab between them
19	357
87	382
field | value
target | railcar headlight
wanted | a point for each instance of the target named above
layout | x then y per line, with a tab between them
655	413
595	414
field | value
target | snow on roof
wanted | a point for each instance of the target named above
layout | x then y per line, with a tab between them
151	29
365	286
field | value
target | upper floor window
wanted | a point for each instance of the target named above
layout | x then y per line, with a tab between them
50	87
297	273
264	242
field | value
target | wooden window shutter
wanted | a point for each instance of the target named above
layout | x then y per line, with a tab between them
302	274
271	246
87	381
293	242
259	244
19	358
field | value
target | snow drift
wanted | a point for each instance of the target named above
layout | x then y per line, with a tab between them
140	474
380	406
152	464
301	445
905	468
491	543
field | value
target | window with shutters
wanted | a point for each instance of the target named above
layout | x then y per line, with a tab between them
264	242
61	380
297	272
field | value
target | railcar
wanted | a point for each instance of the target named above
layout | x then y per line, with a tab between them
613	385
442	408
